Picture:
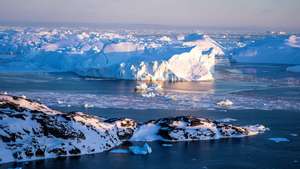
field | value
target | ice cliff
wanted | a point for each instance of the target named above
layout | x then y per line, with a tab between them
108	54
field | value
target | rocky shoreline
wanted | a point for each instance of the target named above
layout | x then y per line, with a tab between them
30	130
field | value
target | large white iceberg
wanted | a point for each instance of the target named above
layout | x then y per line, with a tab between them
270	49
129	55
196	64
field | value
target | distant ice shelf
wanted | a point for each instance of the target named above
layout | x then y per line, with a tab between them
105	54
269	49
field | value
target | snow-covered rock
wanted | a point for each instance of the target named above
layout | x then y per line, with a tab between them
30	130
184	128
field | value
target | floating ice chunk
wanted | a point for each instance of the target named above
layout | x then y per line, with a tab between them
293	41
150	94
295	69
5	93
119	151
60	102
279	139
225	103
226	120
294	134
143	150
148	90
86	105
142	87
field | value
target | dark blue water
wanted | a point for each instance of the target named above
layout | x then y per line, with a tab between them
198	99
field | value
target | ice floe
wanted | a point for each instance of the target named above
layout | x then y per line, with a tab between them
142	150
225	103
148	89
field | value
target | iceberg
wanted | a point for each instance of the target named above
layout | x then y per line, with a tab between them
225	103
142	150
269	49
130	55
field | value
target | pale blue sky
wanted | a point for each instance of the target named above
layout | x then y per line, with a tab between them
201	13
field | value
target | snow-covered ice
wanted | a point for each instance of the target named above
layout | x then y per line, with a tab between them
117	55
148	89
225	103
269	49
141	150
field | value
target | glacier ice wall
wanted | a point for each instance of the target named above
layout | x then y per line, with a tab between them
109	54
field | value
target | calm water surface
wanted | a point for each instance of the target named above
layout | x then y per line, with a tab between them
261	94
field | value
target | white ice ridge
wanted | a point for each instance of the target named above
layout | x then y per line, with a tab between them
115	55
270	49
30	130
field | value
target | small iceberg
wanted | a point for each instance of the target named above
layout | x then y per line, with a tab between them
143	150
88	106
148	90
225	103
279	139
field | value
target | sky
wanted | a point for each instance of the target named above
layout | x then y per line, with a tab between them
283	14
